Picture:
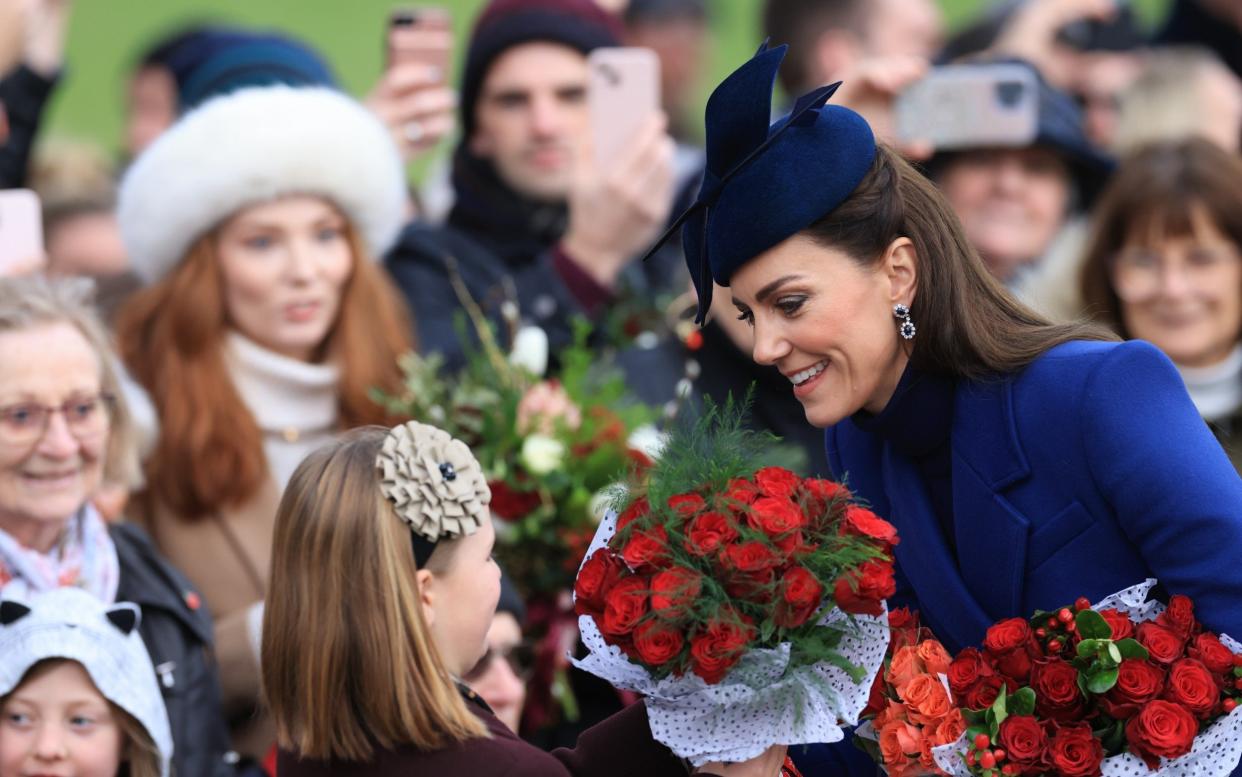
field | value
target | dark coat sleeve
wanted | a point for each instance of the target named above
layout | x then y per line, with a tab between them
620	745
423	264
178	639
24	95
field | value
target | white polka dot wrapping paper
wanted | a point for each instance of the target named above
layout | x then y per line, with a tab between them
1216	750
759	703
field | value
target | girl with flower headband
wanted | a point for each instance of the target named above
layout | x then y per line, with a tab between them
78	695
383	589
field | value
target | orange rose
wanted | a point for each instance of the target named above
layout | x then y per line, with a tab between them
890	748
925	754
904	667
900	747
950	728
927	700
934	657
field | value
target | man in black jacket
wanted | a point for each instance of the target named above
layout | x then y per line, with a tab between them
533	221
24	90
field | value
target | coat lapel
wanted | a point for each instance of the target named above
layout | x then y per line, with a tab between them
945	601
990	532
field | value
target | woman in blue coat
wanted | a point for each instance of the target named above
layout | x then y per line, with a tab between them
1025	464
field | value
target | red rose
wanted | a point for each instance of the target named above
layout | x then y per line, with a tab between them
750	556
863	523
1138	682
801	595
673	591
646	548
1010	642
1119	622
1055	683
1074	752
792	543
777	482
824	492
967	669
598	574
862	591
686	505
641	461
903	618
657	643
637	509
983	693
775	517
721	643
741	491
1164	645
509	504
1161	729
1192	685
624	604
1024	742
1208	648
1179	616
709	532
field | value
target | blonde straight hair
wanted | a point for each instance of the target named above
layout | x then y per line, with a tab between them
348	660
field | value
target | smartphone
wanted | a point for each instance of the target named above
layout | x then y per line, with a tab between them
422	35
971	106
623	91
21	229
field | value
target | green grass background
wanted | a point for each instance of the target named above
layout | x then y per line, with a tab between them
106	37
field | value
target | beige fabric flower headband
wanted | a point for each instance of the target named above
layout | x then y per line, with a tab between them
433	481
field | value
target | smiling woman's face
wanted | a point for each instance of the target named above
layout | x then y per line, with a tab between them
827	323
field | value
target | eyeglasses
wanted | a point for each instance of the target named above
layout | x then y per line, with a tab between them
87	419
1139	274
521	659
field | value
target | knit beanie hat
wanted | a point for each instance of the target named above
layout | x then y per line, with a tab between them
221	61
69	623
579	24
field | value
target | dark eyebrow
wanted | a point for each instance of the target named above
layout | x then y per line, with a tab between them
768	290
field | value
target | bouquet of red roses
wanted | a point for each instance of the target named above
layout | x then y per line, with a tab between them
1126	687
744	602
911	710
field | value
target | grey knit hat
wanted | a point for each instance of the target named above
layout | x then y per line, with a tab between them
69	623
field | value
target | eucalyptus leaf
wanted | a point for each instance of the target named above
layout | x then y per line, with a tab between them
1088	647
1091	625
1130	648
1114	652
1102	681
1022	702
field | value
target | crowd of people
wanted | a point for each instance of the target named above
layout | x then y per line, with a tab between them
197	556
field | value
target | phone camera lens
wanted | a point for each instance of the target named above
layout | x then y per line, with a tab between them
1009	93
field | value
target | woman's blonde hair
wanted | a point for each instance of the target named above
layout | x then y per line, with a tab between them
349	664
34	301
140	755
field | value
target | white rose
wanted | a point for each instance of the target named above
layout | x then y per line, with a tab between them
542	454
530	350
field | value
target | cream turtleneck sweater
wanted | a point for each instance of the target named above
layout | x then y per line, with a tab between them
293	402
1216	390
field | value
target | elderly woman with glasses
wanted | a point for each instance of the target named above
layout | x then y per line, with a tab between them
1164	265
63	430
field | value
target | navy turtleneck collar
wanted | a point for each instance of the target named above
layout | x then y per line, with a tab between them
917	419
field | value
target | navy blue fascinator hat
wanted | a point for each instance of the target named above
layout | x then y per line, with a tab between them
766	182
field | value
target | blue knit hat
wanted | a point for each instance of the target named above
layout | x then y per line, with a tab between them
220	61
765	183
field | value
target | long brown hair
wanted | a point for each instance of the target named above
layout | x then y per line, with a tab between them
349	663
209	454
1154	195
969	325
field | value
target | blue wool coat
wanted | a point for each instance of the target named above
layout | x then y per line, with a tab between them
1084	474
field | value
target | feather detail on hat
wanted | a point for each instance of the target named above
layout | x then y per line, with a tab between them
255	145
433	482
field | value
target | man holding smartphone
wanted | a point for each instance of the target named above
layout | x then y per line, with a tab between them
534	216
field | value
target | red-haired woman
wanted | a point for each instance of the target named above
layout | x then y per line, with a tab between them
255	220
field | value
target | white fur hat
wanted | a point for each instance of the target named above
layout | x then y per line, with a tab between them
254	145
70	623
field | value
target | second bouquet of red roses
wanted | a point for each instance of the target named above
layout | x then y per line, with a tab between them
745	602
